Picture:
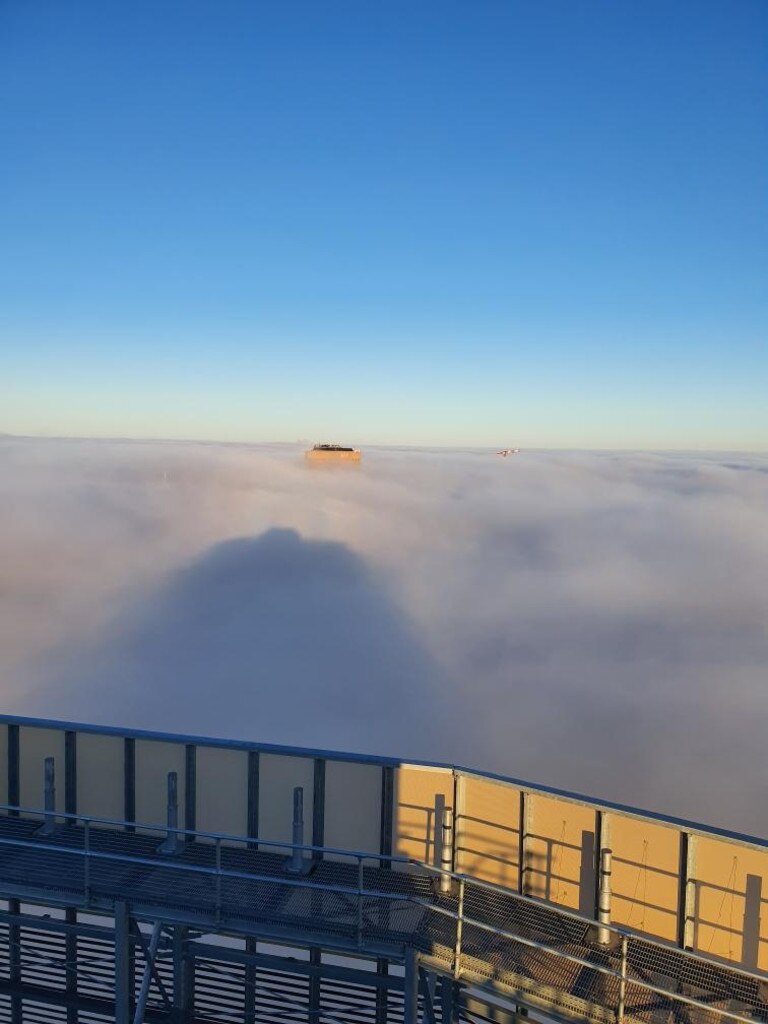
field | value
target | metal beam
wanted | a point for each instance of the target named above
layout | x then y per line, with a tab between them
70	946
446	850
123	984
172	842
183	976
14	961
300	928
149	969
382	1000
459	817
386	840
70	772
149	960
98	1005
13	767
49	798
318	807
426	996
686	914
489	1011
604	933
522	846
450	1000
289	965
600	842
252	827
297	864
129	780
93	931
411	1002
250	983
190	787
316	960
577	799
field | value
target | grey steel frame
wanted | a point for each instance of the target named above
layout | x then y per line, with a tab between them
692	828
454	920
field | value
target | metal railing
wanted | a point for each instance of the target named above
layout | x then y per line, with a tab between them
464	927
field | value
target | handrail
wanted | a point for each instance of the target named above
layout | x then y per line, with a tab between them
359	855
522	785
198	833
88	854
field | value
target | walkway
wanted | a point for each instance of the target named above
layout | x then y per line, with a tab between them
477	933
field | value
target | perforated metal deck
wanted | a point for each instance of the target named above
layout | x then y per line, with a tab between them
526	949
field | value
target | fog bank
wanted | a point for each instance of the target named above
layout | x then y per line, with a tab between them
593	621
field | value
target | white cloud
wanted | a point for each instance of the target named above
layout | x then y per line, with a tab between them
593	621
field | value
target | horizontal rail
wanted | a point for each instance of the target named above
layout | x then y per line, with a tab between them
428	869
229	837
168	864
358	855
360	892
521	785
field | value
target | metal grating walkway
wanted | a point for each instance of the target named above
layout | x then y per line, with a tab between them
538	954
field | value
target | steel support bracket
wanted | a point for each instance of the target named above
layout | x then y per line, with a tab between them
150	972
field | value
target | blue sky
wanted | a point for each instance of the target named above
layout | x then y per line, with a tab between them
537	223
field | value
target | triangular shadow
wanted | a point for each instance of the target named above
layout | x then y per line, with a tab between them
271	638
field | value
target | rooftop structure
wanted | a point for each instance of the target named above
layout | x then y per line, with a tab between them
152	877
333	453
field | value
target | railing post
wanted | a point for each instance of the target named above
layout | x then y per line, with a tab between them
446	851
687	901
525	828
622	981
459	932
49	824
14	959
449	1000
183	977
123	979
297	864
87	861
604	899
171	843
218	882
411	1002
360	881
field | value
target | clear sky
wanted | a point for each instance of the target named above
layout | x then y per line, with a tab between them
533	222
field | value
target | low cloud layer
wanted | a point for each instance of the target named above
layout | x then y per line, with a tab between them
597	622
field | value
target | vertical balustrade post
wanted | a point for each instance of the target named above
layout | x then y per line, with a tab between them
70	952
123	979
218	881
360	880
183	977
459	932
687	899
86	861
251	947
622	981
449	1000
315	986
604	900
171	843
49	798
411	1002
446	851
14	960
297	864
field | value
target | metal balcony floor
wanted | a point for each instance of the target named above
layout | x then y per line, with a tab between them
252	894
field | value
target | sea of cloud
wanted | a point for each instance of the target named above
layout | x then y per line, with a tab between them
594	621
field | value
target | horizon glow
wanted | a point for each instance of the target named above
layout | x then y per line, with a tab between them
527	225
